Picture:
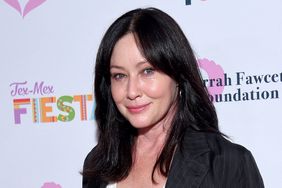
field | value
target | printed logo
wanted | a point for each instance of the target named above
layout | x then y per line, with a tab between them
188	2
28	7
237	86
215	76
51	185
44	107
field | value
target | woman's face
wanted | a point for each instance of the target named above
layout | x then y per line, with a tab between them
143	95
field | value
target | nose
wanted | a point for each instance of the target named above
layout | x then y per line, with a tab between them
133	90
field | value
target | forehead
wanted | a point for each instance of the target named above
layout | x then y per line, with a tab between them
126	52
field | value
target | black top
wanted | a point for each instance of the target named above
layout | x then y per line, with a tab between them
207	160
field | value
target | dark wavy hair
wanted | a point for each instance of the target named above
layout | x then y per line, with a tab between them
163	44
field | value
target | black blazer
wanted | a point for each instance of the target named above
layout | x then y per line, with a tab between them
207	160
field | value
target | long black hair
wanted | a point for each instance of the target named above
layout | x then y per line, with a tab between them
163	44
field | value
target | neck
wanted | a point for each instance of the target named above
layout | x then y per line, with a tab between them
149	145
152	139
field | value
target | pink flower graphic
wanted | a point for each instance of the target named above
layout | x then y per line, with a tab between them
51	185
214	71
30	5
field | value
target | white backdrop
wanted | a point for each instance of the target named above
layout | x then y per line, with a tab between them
47	52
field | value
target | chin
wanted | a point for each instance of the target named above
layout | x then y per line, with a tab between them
140	124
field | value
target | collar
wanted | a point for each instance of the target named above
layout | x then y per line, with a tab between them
191	162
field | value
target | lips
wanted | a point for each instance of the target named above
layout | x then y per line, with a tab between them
137	108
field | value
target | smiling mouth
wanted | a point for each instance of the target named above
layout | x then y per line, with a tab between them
137	109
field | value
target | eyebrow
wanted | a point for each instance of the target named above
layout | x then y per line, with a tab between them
116	66
138	65
142	62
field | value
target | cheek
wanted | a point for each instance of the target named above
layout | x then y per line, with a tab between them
117	93
160	88
153	91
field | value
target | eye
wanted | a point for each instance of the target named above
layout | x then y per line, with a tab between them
149	71
118	76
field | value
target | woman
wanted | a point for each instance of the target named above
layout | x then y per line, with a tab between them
157	126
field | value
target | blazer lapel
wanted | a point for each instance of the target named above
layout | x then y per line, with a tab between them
190	163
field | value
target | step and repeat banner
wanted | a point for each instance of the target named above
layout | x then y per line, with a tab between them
47	59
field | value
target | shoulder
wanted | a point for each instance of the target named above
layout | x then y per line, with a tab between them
233	161
222	146
88	181
228	153
88	159
197	143
216	161
223	154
